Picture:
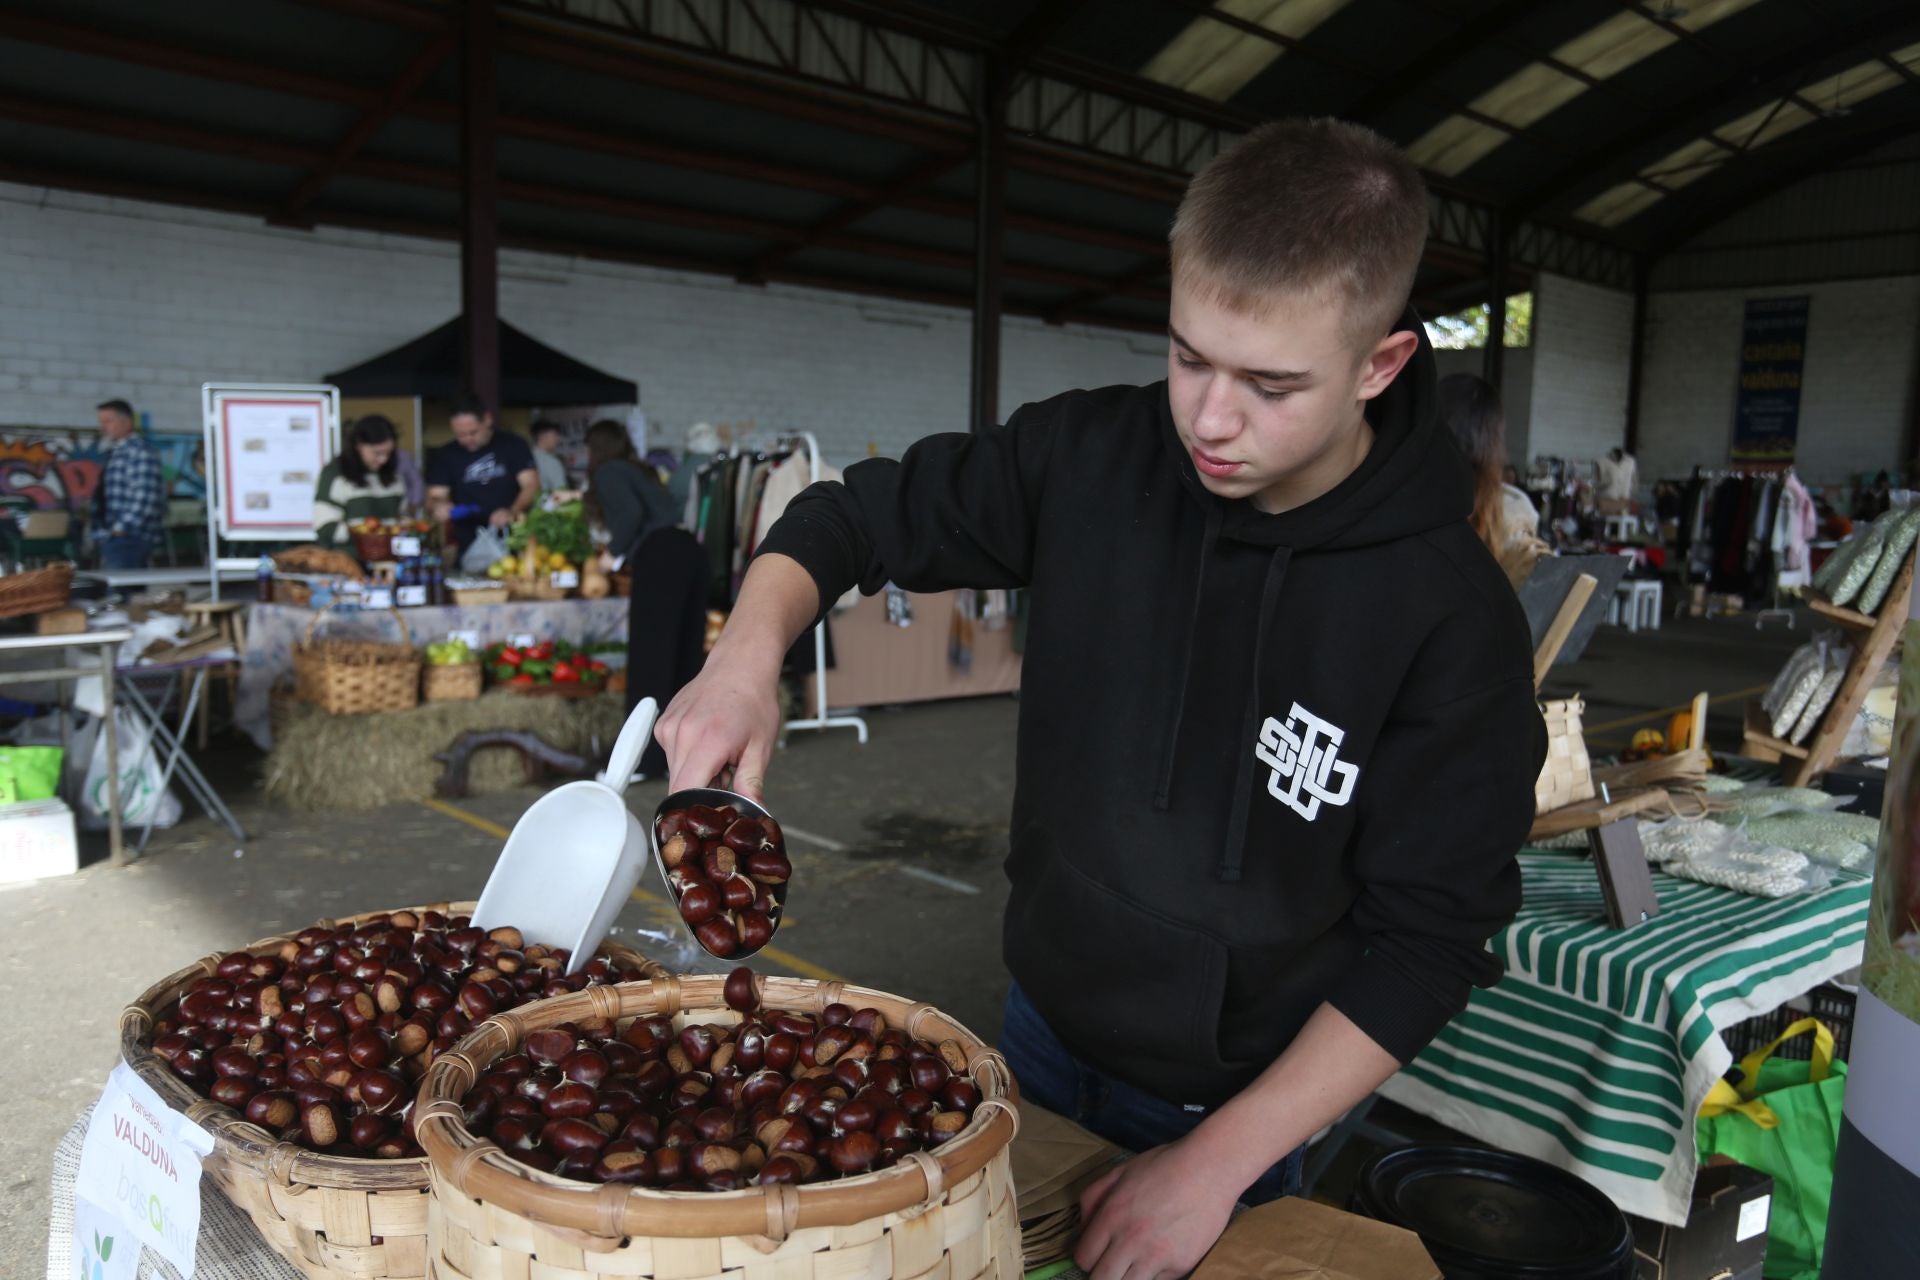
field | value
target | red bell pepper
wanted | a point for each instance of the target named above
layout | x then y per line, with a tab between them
564	673
522	678
512	656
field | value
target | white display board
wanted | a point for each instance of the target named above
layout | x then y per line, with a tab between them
266	445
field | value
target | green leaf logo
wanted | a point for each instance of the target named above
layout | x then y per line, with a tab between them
105	1247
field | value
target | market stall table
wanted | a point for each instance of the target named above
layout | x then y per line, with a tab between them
272	630
57	650
1596	1050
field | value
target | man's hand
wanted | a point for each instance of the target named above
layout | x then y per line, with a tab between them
1156	1215
501	518
728	715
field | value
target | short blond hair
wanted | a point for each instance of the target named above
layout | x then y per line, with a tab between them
1303	205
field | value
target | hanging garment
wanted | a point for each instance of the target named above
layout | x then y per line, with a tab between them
666	624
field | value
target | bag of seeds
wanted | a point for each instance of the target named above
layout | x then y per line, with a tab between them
1793	703
1893	555
1844	840
1851	579
1822	699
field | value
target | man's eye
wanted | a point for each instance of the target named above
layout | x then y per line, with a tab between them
1186	363
1265	394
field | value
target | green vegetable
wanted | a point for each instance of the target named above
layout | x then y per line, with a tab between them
502	671
563	529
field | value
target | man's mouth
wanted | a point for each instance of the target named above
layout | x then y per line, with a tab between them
1208	465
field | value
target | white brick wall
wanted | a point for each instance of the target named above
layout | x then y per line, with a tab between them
1856	393
1582	344
108	297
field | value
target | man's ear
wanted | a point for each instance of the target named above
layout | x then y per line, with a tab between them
1380	366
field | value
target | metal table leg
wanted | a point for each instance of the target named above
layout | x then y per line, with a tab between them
190	775
109	726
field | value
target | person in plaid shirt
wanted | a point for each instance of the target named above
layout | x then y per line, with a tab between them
133	494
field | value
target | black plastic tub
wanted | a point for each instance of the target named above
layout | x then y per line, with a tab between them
1492	1215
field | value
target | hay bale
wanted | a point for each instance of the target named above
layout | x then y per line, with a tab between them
336	763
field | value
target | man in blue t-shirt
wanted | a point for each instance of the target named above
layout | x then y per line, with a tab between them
484	469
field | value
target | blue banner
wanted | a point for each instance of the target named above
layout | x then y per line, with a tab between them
1766	413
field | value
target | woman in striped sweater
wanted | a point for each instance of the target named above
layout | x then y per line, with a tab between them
362	482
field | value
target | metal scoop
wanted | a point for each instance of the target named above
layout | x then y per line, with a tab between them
715	798
574	856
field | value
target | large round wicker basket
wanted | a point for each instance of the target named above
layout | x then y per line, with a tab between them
333	1217
948	1212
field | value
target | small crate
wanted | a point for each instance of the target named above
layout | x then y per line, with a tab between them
1832	1005
453	682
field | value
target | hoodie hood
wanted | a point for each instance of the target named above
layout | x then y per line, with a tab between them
1412	480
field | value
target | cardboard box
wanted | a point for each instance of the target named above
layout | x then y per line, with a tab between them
1295	1239
36	841
1726	1233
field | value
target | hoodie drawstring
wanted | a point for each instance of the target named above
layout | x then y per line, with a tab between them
1233	854
1170	746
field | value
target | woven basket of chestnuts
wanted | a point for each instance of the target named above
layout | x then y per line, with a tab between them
301	1054
700	1126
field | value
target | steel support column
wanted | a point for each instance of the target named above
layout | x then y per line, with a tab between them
479	202
989	237
1637	353
1494	358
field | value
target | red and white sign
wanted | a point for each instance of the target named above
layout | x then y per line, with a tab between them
271	450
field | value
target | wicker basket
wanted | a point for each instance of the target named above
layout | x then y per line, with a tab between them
354	677
333	1217
535	589
369	547
479	595
948	1213
35	590
1567	776
452	682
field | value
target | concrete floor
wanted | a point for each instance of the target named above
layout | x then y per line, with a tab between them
896	847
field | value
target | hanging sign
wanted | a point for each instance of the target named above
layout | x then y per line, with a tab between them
265	448
140	1166
1766	410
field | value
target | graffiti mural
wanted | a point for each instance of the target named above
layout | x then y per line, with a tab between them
59	471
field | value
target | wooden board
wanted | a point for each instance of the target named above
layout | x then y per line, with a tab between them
1597	812
1758	742
1870	653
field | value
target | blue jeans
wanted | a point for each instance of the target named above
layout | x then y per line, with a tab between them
125	551
1051	1076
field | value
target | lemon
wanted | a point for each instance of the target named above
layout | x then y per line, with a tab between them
496	571
556	561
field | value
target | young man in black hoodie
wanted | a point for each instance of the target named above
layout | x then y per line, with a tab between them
1277	732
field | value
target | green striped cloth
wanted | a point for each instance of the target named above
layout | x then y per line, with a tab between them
1596	1050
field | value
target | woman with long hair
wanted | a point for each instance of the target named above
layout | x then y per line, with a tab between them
362	482
1503	516
667	619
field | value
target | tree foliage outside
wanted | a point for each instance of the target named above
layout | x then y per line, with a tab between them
1467	330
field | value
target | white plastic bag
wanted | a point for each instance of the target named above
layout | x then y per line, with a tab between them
141	795
488	545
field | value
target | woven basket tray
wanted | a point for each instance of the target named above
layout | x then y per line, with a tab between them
1567	776
35	590
333	1217
948	1212
535	589
354	677
451	682
478	595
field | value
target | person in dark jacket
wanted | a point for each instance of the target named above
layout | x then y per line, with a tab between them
624	493
1277	737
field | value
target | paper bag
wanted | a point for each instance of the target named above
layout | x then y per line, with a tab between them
1053	1161
1294	1239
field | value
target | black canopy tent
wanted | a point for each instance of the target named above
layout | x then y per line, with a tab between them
531	372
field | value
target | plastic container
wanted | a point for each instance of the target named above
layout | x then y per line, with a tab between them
1493	1215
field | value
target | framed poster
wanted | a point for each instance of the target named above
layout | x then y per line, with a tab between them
265	447
1773	352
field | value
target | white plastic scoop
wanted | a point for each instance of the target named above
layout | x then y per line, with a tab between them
574	856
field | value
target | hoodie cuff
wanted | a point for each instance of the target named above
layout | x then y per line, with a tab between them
819	550
1397	1013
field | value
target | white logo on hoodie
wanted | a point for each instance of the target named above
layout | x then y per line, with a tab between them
1304	754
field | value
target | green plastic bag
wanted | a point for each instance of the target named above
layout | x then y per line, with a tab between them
1784	1120
29	773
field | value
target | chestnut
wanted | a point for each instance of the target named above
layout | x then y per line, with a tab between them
744	834
649	1035
689	1091
762	1086
535	1088
698	1042
643	1129
915	1102
623	1162
452	1023
779	1170
943	1126
367	1047
476	1000
587	1066
736	892
718	863
232	1061
413	1036
549	1045
677	849
716	1124
232	1091
830	1043
852	1073
653	1079
755	929
782	1051
750	1047
622	1058
896	1126
716	935
710	1159
704	821
569	1100
430	996
890	1076
960	1094
854	1152
797	1025
699	905
368	1131
929	1074
768	866
565	1136
321	1123
669	1166
380	1091
857	1116
275	1110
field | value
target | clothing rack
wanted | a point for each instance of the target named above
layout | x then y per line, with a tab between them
820	719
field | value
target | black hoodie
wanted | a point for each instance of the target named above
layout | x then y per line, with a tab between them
1265	761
